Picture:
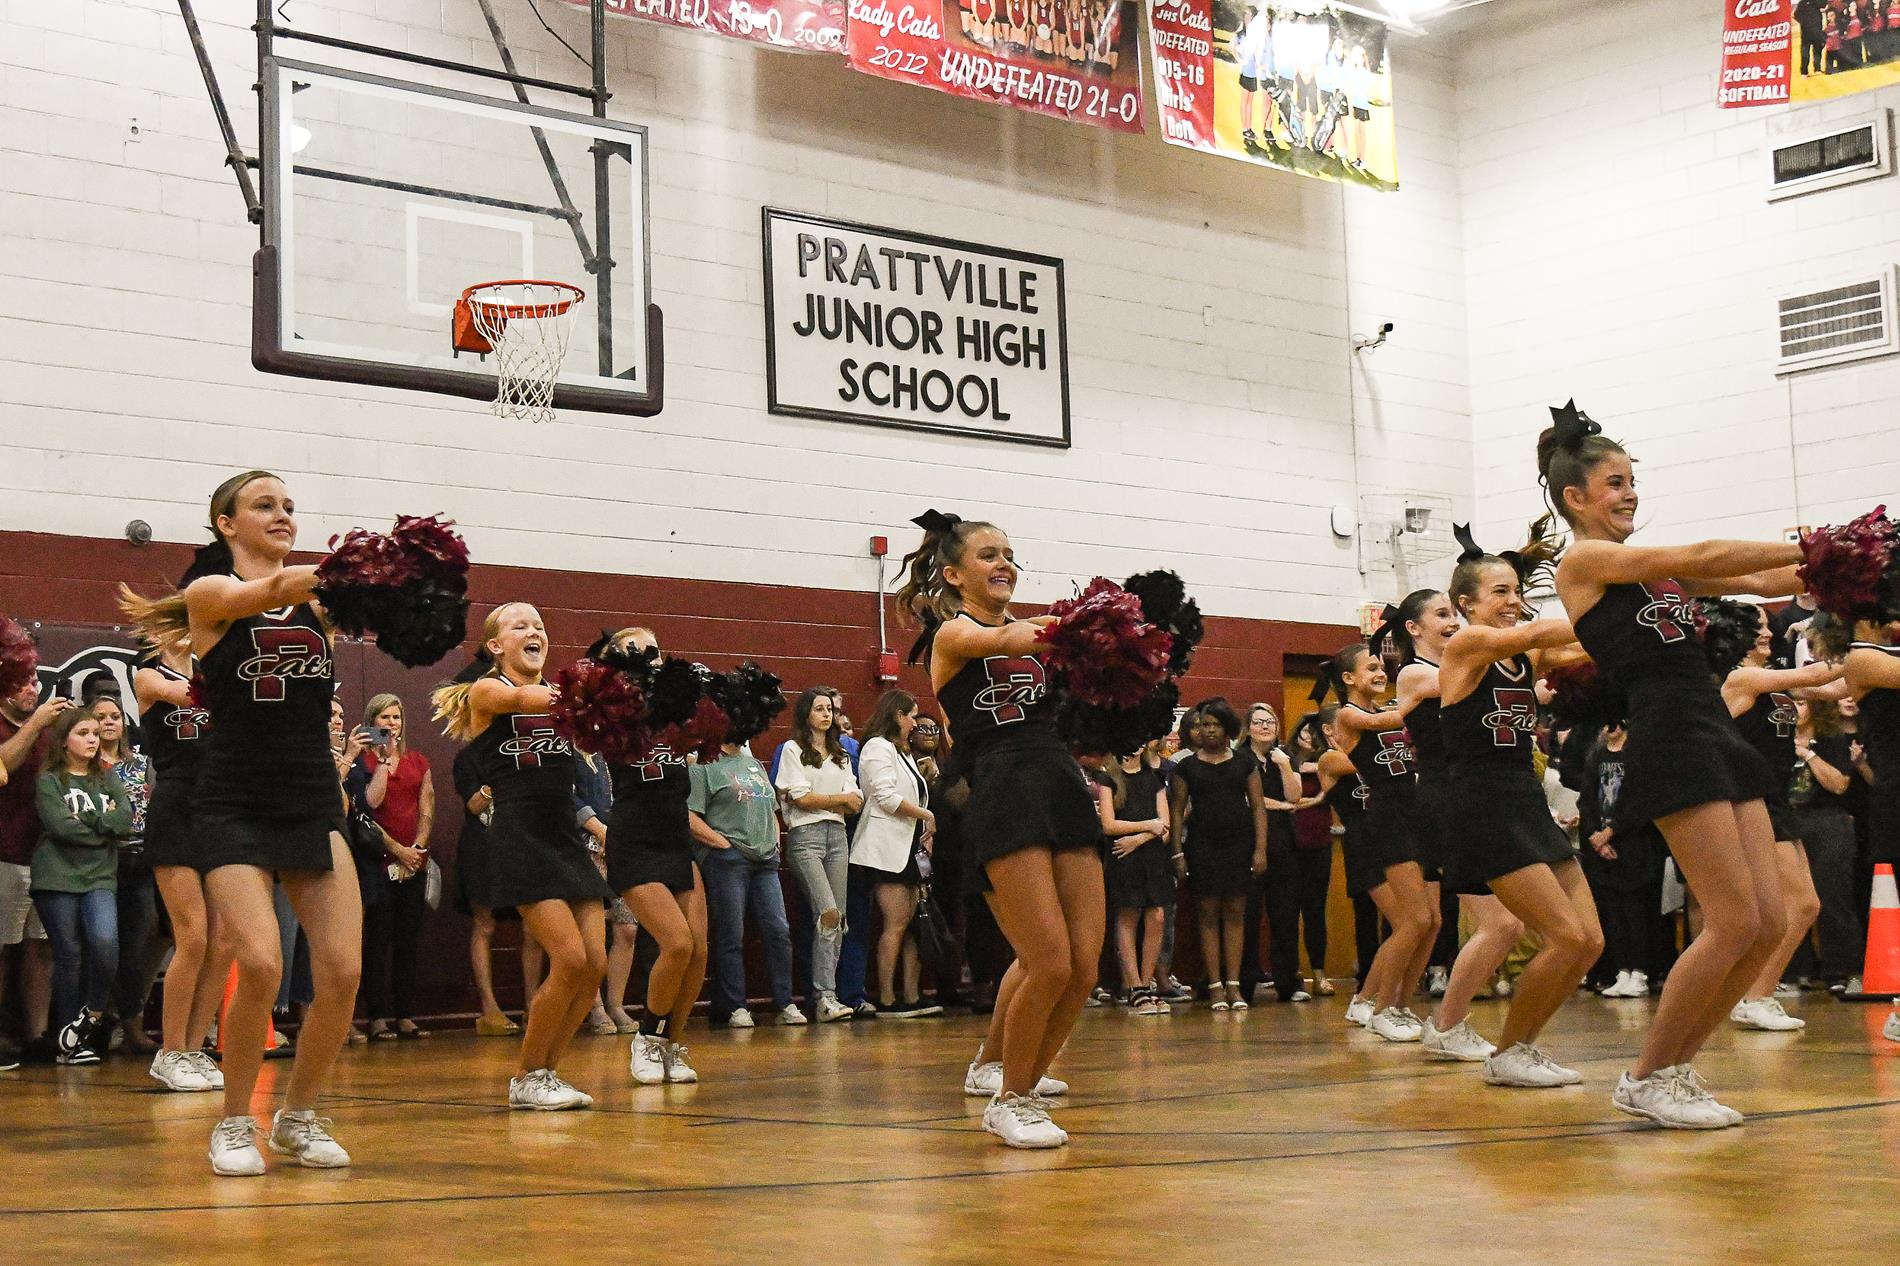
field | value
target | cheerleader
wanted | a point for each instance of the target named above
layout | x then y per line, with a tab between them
266	802
1420	626
177	732
1507	839
1031	820
536	861
1374	739
1761	699
1689	770
650	864
1873	680
1343	791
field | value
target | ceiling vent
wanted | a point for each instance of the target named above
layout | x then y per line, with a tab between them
1841	152
1849	321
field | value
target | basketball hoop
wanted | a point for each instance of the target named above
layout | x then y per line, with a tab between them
526	324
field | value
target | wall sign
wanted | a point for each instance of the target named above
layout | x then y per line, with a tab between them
810	26
880	326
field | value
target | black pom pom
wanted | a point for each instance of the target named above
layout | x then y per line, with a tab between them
1730	631
1165	604
674	690
750	697
1117	731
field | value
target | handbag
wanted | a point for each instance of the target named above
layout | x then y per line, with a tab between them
936	944
432	885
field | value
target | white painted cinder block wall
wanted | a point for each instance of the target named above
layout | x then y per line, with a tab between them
1620	247
1216	397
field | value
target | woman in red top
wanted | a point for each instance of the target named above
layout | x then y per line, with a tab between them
396	788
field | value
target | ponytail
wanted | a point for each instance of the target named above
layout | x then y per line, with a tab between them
161	624
1535	560
453	707
1568	450
924	599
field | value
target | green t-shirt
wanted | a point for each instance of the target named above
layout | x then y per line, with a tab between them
736	799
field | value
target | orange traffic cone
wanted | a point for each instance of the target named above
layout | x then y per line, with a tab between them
1880	977
274	1043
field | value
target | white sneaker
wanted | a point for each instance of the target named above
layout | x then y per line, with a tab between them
1022	1121
581	1098
985	1080
1694	1081
1665	1098
1392	1025
1051	1088
207	1068
647	1063
1785	990
306	1136
1764	1014
1460	1041
1525	1065
542	1091
1891	1031
1639	985
792	1015
1359	1011
1619	989
678	1070
234	1151
739	1019
830	1010
175	1070
1437	981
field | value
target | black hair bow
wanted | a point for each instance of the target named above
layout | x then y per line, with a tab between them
937	521
212	559
1322	684
1574	426
1389	619
1468	549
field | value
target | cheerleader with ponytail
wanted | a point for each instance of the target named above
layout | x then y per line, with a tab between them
1030	821
1507	839
1688	768
537	862
1762	701
1386	867
1420	627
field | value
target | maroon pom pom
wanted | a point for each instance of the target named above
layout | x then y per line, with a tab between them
1843	565
431	546
19	658
408	587
601	710
199	693
1106	653
1580	697
702	734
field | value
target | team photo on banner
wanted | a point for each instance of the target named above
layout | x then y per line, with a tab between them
1305	87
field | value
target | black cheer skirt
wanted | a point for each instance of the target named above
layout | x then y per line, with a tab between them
168	827
631	866
1438	827
1684	750
228	836
1386	836
1025	794
1142	880
534	853
1504	825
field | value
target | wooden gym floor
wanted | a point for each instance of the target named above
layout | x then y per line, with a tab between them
1278	1135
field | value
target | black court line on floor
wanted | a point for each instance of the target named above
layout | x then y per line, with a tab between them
1597	1131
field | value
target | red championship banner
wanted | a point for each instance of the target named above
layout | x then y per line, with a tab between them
1756	38
1074	59
811	26
1302	85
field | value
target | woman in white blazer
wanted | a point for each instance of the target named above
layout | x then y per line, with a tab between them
895	824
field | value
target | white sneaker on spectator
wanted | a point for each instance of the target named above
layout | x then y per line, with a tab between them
541	1091
741	1018
1359	1011
1436	982
1151	1005
599	1023
1764	1014
306	1136
1784	989
234	1151
1663	1097
790	1014
1891	1030
207	1068
1391	1024
830	1010
1525	1065
678	1070
1022	1121
1460	1041
175	1070
1639	985
647	1063
1618	988
1694	1081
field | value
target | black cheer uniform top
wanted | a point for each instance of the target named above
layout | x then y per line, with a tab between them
1880	734
533	850
1387	762
267	685
176	739
1769	726
1494	728
1347	799
1495	795
1428	744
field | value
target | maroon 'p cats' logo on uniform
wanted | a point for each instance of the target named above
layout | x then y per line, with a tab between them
1514	712
533	736
1668	612
284	654
187	724
1014	684
657	761
1783	715
1395	752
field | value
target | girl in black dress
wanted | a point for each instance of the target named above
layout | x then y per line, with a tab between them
1689	770
1762	701
650	864
266	805
1508	840
177	732
536	862
1139	871
1420	626
1225	843
1374	739
1031	821
1873	678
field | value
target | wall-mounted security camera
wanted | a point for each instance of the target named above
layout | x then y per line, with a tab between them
1377	340
139	532
1418	519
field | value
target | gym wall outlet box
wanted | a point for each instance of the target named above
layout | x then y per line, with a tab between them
887	667
880	546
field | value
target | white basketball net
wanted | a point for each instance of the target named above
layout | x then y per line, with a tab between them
527	323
